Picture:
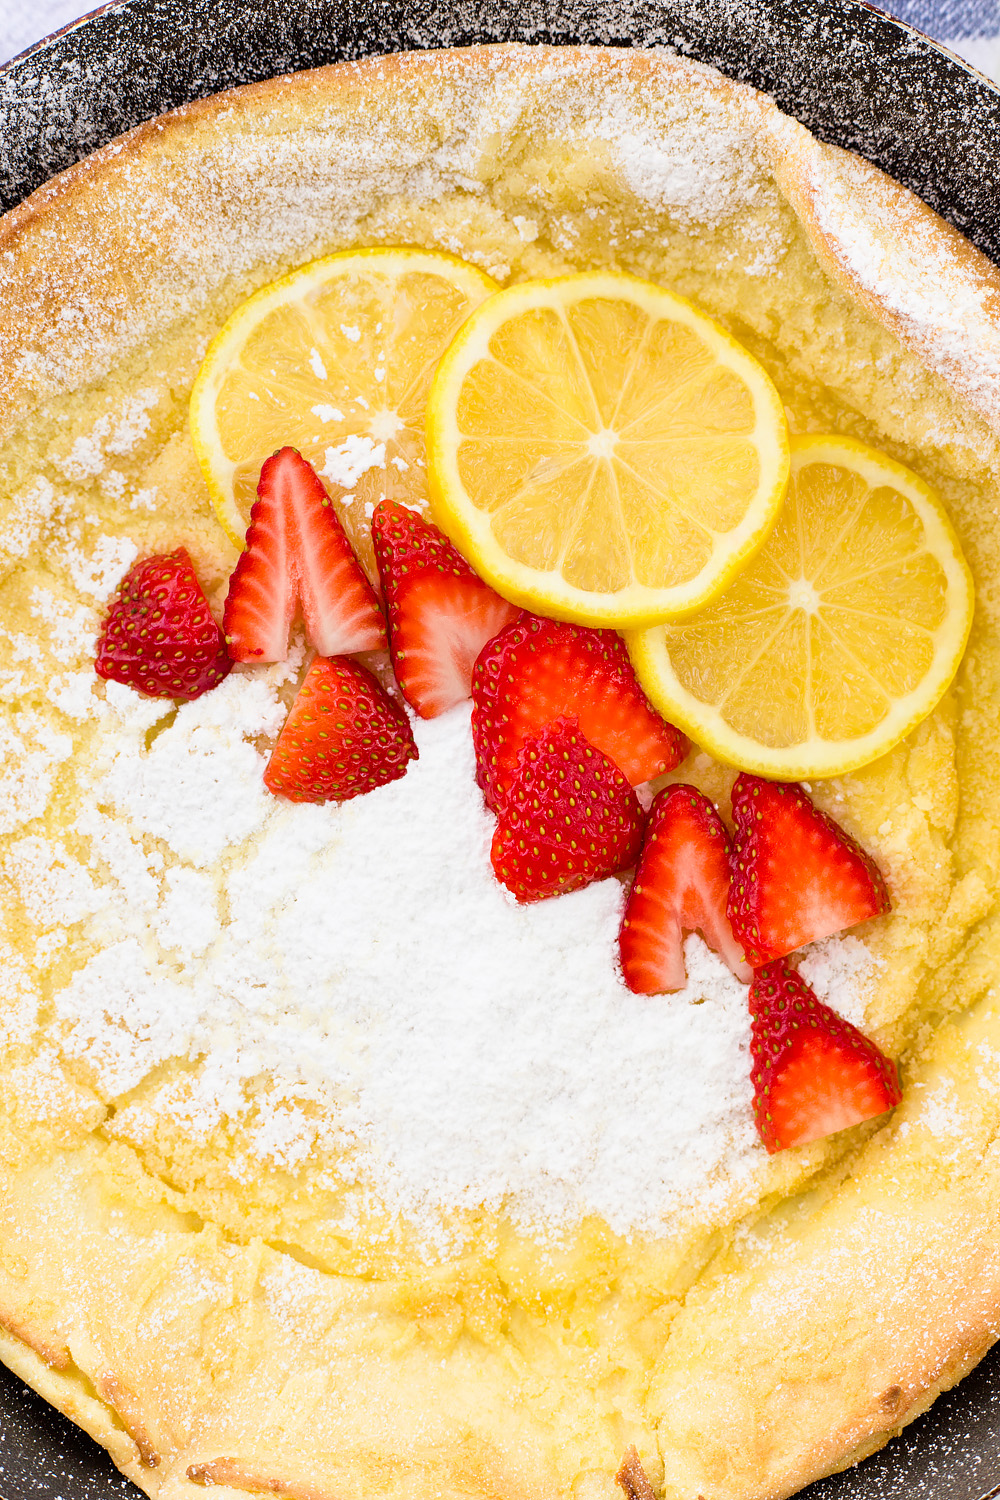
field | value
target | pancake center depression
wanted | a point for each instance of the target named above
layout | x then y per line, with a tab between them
482	1052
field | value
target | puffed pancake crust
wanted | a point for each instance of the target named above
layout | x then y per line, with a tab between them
203	1259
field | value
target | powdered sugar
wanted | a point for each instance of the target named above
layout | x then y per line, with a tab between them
127	995
345	464
927	287
117	433
99	572
841	970
71	628
28	514
940	1111
317	366
73	692
698	171
473	1050
18	998
187	918
55	888
182	791
30	753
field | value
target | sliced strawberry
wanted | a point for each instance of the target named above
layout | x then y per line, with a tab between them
681	885
570	817
343	736
797	876
538	671
441	613
813	1072
159	635
297	556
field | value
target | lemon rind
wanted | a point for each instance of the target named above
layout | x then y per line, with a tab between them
217	470
817	758
547	592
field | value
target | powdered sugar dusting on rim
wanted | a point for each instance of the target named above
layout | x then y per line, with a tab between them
236	202
256	198
920	279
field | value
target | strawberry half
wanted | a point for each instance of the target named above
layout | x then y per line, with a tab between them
538	671
570	817
441	613
797	876
813	1072
343	737
297	556
681	885
159	635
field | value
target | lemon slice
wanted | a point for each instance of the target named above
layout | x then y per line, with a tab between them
335	360
603	452
840	636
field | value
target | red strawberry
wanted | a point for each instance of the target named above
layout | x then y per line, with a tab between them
537	671
343	736
159	635
797	876
570	818
813	1072
296	555
681	886
441	613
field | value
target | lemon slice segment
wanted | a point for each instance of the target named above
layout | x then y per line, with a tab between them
335	360
840	636
602	451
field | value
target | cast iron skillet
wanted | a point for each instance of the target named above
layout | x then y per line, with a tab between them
852	75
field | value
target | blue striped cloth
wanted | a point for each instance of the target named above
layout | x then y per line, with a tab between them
952	19
969	27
